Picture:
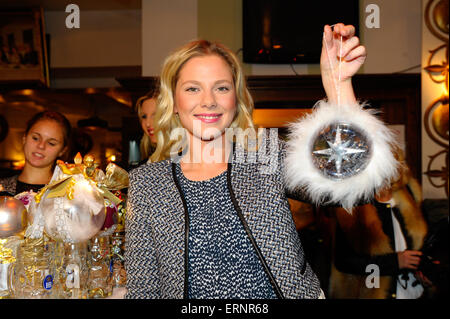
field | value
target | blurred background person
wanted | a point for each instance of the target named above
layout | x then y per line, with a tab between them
46	139
387	234
146	108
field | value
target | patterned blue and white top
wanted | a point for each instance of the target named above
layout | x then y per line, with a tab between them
222	263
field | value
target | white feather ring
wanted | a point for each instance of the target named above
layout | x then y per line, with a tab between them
301	173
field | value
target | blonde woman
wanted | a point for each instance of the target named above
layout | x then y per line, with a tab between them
206	220
146	108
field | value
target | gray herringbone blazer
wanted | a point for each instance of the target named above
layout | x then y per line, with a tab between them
157	228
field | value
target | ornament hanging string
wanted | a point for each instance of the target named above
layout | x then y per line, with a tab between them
338	84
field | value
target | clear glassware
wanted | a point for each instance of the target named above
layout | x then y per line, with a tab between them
4	286
72	270
8	253
32	275
100	273
118	268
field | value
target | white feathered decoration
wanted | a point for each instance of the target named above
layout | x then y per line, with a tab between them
381	169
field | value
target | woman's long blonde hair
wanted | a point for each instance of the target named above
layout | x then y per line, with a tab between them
165	119
146	146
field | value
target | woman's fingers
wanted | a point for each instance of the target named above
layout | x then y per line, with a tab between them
423	279
409	259
328	36
414	259
355	53
346	31
337	28
332	37
349	45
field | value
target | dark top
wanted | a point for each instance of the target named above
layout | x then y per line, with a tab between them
12	186
24	187
222	262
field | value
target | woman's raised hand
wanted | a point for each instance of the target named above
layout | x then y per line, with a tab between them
351	55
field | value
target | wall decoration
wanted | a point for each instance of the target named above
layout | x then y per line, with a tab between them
436	114
23	49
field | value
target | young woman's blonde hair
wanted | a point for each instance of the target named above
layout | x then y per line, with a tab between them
165	119
146	146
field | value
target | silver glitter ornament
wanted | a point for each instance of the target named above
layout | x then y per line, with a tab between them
340	151
13	216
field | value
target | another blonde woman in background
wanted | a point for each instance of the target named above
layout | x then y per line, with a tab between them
146	108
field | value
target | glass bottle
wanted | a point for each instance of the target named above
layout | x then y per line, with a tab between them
100	273
72	270
32	275
117	260
8	254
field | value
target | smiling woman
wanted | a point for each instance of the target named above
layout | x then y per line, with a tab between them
205	97
198	211
45	140
208	74
203	227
